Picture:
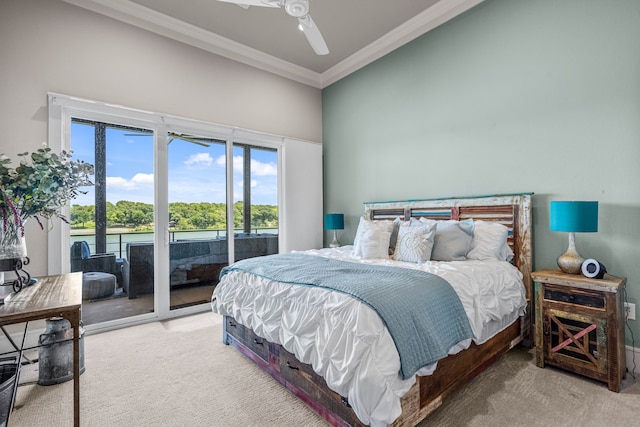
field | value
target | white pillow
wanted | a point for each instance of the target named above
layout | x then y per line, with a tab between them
490	242
415	242
358	232
372	239
453	240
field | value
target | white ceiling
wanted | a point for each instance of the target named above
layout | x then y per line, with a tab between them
357	32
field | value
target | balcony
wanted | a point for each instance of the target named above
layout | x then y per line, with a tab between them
196	258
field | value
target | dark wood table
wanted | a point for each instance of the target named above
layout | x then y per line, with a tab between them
51	296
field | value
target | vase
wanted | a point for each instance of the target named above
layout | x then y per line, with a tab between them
55	352
12	241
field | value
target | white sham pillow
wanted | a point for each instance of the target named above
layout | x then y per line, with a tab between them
453	240
490	242
372	239
415	242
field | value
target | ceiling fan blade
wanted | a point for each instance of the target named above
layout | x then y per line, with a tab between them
202	141
187	139
314	37
194	141
246	3
173	136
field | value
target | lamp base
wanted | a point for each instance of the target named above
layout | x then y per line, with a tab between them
571	261
335	243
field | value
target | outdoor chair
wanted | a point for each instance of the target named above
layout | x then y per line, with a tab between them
83	260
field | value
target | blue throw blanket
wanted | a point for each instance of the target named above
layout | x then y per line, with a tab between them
421	310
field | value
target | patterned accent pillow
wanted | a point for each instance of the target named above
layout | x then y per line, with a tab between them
415	242
394	233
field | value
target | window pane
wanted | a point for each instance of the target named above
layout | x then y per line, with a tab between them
112	223
197	217
255	172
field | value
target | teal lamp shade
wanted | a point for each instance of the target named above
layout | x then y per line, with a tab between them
335	222
573	217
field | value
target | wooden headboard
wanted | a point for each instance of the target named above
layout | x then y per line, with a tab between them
511	210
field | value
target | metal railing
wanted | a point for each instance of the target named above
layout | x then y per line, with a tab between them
117	241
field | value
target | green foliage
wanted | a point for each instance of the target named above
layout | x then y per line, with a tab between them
40	185
182	216
81	215
266	215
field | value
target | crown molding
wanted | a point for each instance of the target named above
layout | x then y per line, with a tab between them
422	23
150	20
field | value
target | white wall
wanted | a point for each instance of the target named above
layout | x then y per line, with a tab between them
302	185
51	46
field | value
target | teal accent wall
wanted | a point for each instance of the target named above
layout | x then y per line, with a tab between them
512	96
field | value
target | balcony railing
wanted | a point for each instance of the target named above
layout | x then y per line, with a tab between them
117	241
195	257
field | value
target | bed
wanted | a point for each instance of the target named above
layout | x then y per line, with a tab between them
335	353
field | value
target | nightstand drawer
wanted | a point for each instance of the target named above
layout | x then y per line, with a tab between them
302	376
256	344
594	301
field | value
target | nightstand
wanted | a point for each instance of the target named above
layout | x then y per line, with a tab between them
580	325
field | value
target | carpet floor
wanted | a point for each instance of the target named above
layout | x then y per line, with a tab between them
178	373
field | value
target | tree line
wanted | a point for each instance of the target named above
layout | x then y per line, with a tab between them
182	216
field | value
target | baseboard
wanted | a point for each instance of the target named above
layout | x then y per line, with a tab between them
632	352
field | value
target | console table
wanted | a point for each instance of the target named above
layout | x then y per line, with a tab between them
51	296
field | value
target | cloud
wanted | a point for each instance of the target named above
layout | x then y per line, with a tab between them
143	178
258	168
263	169
200	159
138	180
118	182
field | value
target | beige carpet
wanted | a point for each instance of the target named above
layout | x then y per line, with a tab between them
178	373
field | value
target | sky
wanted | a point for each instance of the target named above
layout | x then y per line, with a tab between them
196	173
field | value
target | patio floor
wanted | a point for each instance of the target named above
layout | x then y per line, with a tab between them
120	306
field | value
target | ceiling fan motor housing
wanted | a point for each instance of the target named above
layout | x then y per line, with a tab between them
297	8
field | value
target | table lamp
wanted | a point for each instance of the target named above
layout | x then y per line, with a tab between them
335	222
573	217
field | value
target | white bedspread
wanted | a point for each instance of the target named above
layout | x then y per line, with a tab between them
346	342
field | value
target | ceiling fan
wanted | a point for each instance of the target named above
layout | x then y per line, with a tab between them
298	9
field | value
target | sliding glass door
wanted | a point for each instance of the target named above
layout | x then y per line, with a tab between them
199	231
255	196
173	202
197	217
112	224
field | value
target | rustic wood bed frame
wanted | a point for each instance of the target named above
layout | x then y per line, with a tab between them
453	372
